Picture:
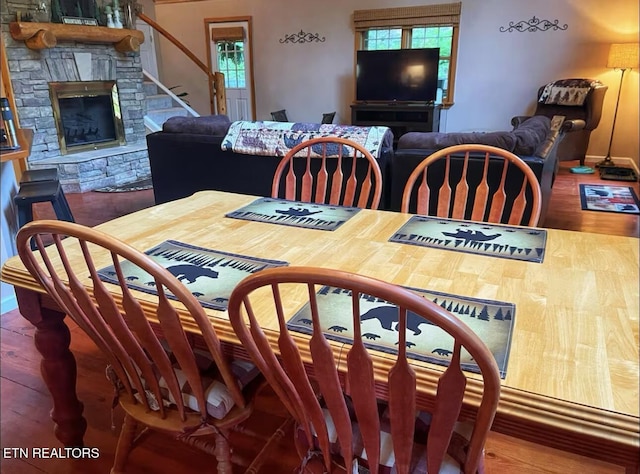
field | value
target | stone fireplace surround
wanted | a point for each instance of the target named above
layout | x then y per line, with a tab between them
32	70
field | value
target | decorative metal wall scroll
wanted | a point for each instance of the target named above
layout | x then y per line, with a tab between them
533	25
302	37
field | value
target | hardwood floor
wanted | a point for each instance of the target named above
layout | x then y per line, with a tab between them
565	211
25	402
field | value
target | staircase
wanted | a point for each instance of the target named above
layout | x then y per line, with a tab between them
162	104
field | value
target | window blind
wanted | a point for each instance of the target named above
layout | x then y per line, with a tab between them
230	33
441	14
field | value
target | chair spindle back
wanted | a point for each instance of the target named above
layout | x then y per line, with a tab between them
488	202
353	374
330	174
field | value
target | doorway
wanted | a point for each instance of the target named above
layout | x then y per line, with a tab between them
229	51
148	56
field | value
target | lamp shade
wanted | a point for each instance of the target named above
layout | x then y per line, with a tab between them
623	56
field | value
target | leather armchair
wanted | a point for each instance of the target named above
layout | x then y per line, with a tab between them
575	142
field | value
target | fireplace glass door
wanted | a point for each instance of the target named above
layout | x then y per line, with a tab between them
87	115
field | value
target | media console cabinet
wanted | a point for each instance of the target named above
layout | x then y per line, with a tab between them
400	118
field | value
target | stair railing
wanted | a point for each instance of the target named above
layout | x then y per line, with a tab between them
170	93
148	121
217	89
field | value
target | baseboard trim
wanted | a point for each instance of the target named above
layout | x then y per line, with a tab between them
8	303
592	160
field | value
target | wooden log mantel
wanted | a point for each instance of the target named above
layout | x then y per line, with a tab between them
46	35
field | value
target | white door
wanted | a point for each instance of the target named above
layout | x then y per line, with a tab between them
148	49
233	58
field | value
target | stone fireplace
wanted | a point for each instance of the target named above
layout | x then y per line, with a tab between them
93	153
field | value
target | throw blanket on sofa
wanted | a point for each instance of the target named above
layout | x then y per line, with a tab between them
567	91
277	138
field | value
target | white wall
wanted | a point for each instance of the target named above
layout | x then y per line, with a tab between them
497	77
8	228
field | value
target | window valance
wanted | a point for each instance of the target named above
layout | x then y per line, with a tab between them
231	33
441	14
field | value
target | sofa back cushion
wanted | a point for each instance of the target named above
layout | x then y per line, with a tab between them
215	125
523	141
437	141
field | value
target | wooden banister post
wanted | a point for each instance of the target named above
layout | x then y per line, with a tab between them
221	93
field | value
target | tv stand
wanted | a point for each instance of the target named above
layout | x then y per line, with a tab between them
400	117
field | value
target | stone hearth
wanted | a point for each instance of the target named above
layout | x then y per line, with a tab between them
32	70
84	171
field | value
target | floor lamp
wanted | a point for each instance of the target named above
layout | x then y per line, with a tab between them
622	56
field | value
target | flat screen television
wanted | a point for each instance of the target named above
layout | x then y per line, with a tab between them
402	75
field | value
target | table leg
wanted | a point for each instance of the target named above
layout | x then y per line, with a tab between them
58	366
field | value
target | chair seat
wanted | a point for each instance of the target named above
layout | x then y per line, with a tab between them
453	462
46	174
219	399
38	191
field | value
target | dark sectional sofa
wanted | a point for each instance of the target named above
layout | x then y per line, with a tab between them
187	157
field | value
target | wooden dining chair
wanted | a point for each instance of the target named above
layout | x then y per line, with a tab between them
334	394
329	170
453	182
161	382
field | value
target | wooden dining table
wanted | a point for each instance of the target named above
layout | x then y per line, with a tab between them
572	378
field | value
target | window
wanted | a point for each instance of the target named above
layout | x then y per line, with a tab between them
429	26
229	43
231	63
436	37
383	39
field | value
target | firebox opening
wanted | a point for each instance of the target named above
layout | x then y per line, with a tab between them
87	115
